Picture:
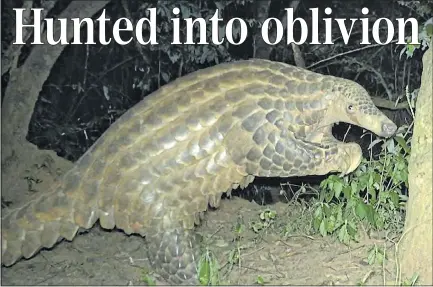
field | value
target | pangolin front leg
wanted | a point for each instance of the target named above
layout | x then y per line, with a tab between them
175	250
342	157
272	151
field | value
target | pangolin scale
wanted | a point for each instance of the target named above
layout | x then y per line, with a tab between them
159	166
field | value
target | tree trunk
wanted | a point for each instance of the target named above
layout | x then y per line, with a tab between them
415	251
19	157
11	54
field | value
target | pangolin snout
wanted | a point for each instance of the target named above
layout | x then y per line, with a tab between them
388	129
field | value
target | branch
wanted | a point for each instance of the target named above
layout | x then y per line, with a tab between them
387	104
376	72
297	54
346	53
10	57
137	45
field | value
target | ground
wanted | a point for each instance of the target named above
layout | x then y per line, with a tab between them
100	257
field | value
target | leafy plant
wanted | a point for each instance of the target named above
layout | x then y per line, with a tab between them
208	269
267	217
376	255
147	279
260	280
424	35
410	281
372	195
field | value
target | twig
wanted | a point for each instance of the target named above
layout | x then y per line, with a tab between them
85	66
254	251
100	76
345	135
408	100
297	55
159	69
346	53
376	72
137	45
383	264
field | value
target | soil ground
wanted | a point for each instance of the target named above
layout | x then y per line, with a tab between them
100	257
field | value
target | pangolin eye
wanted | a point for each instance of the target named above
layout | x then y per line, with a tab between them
351	108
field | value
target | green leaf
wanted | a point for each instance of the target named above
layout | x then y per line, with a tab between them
220	4
256	226
331	185
324	183
165	77
351	229
371	256
390	146
373	143
322	195
347	192
379	257
361	210
185	10
148	280
370	214
329	195
331	224
402	143
378	221
364	180
429	29
204	272
343	236
394	198
338	187
318	212
316	223
326	210
403	50
340	215
260	280
272	214
371	178
322	228
354	186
